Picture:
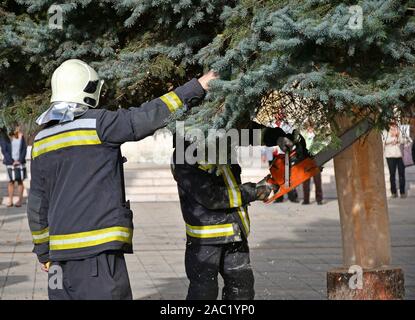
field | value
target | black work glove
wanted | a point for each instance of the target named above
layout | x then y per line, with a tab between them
263	189
260	190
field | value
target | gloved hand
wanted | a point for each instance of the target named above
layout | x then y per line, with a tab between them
260	190
264	188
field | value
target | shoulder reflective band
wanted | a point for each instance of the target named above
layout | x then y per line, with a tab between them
79	124
235	199
243	214
172	101
90	238
65	139
215	231
41	236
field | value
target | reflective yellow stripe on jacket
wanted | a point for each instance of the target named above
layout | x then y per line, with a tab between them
65	139
90	238
245	219
235	199
172	101
41	236
219	230
206	167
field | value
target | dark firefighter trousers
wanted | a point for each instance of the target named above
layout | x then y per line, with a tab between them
203	264
102	277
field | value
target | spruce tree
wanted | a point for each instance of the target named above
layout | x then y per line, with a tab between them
268	52
141	48
308	59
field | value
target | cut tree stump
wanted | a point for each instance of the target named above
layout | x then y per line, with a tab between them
376	284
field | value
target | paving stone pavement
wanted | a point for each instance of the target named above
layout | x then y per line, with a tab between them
292	248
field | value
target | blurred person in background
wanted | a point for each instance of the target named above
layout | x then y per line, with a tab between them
412	135
283	123
309	135
14	148
393	154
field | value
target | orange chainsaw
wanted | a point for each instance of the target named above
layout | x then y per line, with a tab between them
287	171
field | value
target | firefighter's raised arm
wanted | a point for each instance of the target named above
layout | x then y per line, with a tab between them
137	123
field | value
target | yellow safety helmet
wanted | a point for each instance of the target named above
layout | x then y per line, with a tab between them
75	81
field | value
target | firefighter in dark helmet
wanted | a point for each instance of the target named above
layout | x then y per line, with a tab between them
214	205
80	220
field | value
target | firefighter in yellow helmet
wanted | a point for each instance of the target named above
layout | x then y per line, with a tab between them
80	220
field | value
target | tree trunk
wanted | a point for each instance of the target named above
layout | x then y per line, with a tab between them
361	190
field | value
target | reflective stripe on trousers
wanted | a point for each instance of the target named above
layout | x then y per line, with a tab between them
214	231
